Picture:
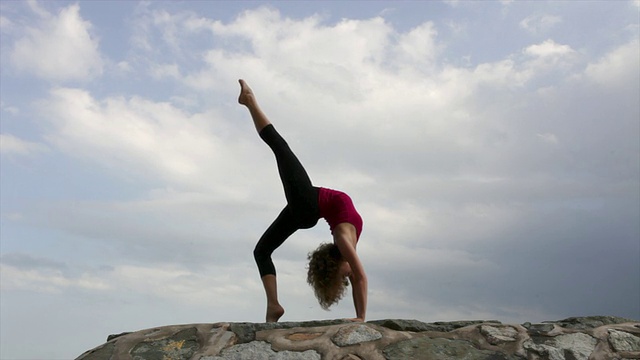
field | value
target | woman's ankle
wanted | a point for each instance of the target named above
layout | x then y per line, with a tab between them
274	312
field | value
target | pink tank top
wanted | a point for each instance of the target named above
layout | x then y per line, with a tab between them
336	207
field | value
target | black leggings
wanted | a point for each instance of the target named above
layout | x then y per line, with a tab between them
301	212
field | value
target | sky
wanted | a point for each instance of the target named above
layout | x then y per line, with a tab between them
492	149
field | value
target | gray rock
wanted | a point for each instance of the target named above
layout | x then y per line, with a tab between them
403	325
218	339
103	352
419	326
538	329
590	322
578	346
442	349
355	334
546	351
453	325
246	332
294	355
496	335
339	339
623	341
182	345
257	350
260	350
113	336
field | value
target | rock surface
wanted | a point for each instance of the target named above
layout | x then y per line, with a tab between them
585	338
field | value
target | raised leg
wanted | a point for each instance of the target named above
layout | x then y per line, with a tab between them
299	191
248	99
301	196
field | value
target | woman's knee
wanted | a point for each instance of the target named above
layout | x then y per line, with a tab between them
260	253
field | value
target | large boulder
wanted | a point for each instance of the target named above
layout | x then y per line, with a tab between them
575	338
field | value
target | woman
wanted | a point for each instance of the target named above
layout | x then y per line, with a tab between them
331	263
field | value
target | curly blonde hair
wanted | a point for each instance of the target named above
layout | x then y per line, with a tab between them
323	274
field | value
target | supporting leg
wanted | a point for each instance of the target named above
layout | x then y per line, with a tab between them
274	309
274	236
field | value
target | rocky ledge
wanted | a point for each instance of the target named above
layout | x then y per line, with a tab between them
596	338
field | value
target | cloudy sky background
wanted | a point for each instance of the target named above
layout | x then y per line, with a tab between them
492	149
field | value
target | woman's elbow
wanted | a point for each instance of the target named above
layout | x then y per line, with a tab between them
359	278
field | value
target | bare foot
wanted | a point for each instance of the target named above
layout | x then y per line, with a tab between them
260	120
274	313
246	94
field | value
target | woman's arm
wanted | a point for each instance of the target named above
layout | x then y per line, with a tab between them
344	236
359	289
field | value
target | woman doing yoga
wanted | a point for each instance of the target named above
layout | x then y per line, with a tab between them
331	263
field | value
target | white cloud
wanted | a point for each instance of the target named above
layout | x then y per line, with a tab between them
346	50
618	67
548	48
37	9
59	47
5	23
124	67
452	3
232	283
158	142
550	56
456	27
47	280
160	71
9	109
163	281
540	24
418	46
136	132
548	138
502	73
10	145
